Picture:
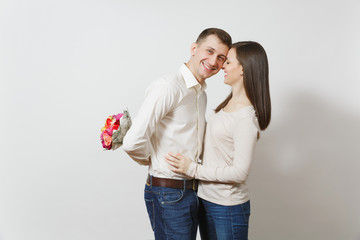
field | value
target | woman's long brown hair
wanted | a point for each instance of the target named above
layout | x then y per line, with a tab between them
253	58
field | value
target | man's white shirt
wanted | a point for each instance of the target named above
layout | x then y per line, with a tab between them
171	119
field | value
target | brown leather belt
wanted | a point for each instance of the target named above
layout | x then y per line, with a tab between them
172	183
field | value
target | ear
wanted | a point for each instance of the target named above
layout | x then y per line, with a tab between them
193	48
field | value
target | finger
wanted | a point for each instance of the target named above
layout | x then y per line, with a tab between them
173	159
169	158
174	170
173	155
172	163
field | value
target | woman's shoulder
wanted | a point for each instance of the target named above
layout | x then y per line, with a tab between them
247	117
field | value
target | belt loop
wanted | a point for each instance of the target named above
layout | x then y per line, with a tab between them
184	185
150	180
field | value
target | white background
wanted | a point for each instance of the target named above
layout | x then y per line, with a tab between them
66	65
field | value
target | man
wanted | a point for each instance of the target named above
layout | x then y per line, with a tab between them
172	119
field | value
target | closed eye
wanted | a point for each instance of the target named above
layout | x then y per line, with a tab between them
222	59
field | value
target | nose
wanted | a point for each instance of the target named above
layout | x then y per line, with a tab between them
213	60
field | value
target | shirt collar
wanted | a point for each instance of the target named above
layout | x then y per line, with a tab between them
190	79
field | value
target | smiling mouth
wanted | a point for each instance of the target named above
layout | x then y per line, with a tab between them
208	67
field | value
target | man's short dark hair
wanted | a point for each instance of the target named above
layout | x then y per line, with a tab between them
221	34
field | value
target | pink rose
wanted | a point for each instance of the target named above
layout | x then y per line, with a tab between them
106	140
118	116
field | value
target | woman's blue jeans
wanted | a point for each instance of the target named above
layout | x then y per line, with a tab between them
172	212
219	222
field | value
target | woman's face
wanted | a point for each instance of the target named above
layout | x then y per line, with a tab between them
233	69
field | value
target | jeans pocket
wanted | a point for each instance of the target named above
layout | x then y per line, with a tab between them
151	211
173	196
246	211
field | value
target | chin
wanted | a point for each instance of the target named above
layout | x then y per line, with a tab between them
206	76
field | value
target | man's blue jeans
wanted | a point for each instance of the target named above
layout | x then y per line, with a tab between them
217	222
172	212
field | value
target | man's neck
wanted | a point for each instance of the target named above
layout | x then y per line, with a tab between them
201	81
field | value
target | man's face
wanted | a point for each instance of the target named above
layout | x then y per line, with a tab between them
208	57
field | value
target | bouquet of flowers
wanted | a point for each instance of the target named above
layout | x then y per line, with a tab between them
114	131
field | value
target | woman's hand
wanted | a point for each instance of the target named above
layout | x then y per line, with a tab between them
178	163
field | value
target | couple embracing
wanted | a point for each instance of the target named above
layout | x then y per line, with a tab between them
197	169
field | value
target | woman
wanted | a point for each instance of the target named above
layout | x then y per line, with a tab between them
231	135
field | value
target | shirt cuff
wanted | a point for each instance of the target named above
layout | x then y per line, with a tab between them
192	169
